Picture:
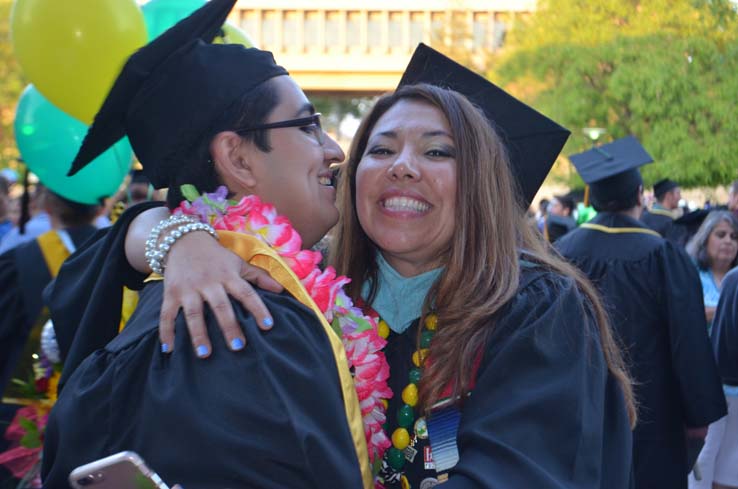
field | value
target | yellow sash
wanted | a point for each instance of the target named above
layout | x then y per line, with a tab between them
257	253
607	229
54	251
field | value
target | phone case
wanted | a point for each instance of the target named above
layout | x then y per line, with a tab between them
124	470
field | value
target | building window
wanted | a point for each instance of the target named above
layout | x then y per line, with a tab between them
499	31
479	35
396	20
290	26
312	30
417	20
353	30
250	23
333	29
374	30
269	29
438	31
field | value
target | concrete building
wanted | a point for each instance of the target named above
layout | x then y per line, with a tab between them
360	48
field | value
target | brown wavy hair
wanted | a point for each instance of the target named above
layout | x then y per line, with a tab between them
481	264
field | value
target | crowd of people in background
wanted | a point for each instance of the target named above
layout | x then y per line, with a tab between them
709	236
592	345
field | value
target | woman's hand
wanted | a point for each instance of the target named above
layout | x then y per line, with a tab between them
200	270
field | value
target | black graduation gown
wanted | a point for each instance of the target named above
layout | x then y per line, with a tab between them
86	297
725	330
654	298
666	226
545	412
270	416
23	276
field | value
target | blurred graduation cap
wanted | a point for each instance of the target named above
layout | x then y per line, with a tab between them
533	140
611	170
170	91
662	186
138	176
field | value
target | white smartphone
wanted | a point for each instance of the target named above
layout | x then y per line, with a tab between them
124	470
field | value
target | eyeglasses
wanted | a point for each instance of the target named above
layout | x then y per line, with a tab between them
309	124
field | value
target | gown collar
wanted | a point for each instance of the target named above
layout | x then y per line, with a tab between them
399	300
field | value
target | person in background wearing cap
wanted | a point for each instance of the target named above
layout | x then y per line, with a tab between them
25	270
430	217
5	223
282	414
652	291
559	220
662	214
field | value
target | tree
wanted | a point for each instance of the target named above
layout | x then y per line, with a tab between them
665	71
10	89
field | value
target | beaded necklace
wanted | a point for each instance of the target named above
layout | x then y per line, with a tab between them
403	442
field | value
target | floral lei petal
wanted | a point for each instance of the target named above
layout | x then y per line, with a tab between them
359	333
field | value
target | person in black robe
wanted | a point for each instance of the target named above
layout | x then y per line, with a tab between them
654	298
284	413
24	272
535	369
662	216
725	330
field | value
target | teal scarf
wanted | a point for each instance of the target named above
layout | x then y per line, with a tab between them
399	300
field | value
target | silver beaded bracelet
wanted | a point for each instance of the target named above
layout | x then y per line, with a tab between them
171	221
157	261
155	256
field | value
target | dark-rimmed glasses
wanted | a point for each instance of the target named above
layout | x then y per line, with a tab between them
311	122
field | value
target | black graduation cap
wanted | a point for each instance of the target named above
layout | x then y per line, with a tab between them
170	91
611	170
532	139
662	186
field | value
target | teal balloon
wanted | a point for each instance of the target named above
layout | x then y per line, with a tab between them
48	140
160	15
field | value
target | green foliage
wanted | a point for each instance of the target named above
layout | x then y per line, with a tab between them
665	71
11	86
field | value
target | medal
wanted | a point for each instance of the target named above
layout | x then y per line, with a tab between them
428	483
443	426
428	459
410	453
421	429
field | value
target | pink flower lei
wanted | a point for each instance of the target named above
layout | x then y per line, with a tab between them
358	332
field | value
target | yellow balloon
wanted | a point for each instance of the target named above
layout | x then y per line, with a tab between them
233	35
72	50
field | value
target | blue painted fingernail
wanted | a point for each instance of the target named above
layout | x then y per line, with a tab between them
202	351
236	344
165	348
268	322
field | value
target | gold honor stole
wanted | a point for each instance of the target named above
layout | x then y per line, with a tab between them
54	252
609	230
257	253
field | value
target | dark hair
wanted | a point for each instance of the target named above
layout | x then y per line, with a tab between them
618	205
71	214
197	167
697	246
566	202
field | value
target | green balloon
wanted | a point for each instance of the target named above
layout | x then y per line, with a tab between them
160	15
48	140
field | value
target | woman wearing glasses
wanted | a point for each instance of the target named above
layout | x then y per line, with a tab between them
282	414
